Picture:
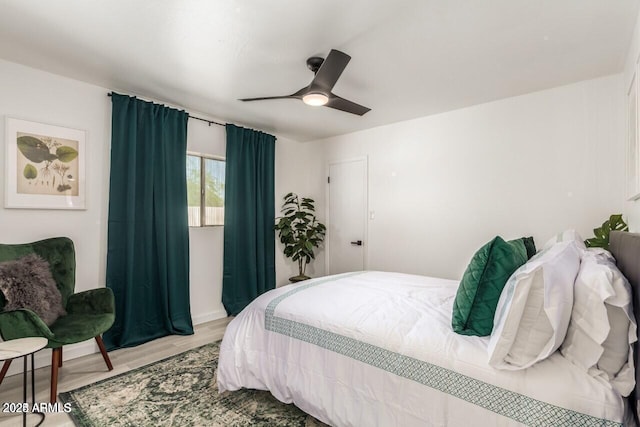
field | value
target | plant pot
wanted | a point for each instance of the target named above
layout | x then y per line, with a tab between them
296	279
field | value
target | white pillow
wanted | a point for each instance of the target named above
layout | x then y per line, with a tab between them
566	236
602	329
534	309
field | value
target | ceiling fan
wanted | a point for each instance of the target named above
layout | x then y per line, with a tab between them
318	93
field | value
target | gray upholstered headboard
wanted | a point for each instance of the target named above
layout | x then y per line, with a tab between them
625	248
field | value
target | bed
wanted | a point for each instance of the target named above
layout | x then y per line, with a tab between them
377	349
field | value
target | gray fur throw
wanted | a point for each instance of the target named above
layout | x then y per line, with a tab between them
27	283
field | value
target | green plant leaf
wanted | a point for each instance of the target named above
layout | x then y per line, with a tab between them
601	234
34	149
617	223
596	243
30	171
66	154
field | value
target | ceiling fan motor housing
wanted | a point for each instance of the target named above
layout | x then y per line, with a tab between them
314	63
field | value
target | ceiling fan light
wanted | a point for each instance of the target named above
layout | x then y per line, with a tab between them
315	99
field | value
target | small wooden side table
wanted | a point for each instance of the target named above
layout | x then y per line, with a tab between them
24	347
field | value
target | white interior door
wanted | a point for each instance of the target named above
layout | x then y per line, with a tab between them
347	212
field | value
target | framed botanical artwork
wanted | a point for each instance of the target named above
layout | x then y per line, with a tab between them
45	166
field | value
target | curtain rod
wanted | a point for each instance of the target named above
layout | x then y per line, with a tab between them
211	122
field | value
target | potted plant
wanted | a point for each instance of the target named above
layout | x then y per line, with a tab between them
299	232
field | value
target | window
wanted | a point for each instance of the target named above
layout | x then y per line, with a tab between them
205	190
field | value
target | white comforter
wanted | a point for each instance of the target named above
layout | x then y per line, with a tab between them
377	349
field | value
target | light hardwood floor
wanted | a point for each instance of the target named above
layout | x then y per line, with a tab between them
89	369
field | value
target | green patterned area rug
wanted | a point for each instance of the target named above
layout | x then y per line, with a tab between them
179	391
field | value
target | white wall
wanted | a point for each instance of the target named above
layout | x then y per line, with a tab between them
443	185
632	208
300	170
206	243
42	97
39	96
297	170
528	165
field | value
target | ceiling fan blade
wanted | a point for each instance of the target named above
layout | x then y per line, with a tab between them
299	94
267	97
330	71
296	95
346	105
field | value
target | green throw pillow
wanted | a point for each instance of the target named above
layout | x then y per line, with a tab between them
482	283
530	245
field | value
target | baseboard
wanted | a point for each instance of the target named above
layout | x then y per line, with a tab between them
43	357
208	317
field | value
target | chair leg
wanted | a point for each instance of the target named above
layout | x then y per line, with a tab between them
60	361
55	363
103	350
5	368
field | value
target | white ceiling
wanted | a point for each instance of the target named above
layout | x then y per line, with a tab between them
410	58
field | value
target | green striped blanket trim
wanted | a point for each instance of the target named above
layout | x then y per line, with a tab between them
516	406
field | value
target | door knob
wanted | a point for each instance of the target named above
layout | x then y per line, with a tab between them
357	243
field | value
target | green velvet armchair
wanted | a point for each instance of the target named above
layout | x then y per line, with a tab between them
89	313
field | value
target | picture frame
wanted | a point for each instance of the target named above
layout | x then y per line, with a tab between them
45	166
633	138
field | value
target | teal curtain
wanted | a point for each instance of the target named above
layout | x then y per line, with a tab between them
249	217
148	231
